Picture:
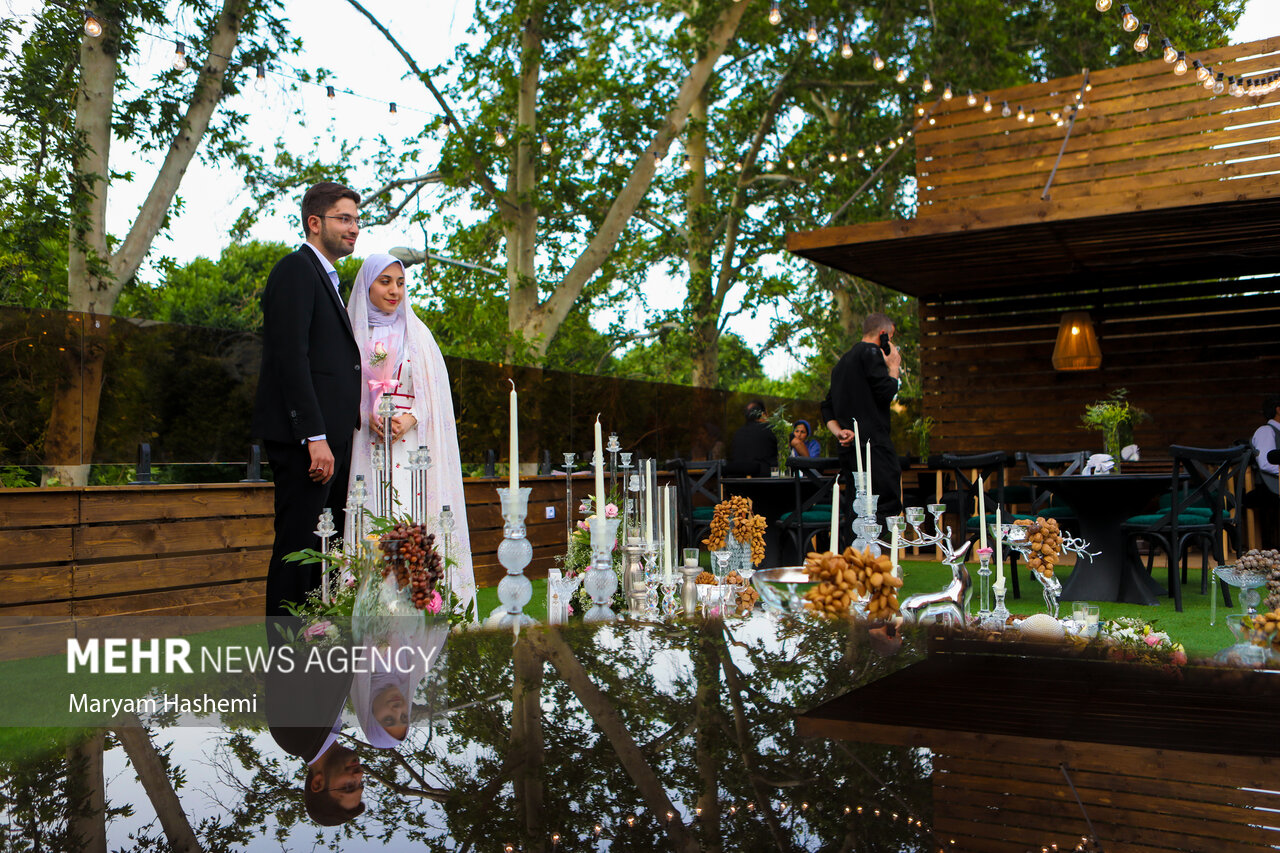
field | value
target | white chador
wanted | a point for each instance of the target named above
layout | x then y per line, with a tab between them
413	372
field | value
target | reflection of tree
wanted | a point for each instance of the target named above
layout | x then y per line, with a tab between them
589	725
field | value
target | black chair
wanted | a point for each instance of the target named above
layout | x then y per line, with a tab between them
962	499
816	484
697	493
1041	503
1206	492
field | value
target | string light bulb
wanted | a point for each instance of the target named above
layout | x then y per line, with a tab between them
260	81
902	74
1202	73
179	56
393	117
947	94
846	49
878	148
775	13
1128	20
1234	87
1170	52
812	35
972	99
1102	5
831	157
862	152
685	164
1180	66
1022	114
844	156
331	97
1220	85
546	146
737	166
986	103
791	164
1031	117
1004	109
1143	41
1208	81
901	140
92	25
499	138
927	85
876	62
920	111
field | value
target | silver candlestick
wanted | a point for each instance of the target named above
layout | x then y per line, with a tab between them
324	530
386	408
355	516
613	447
568	499
514	553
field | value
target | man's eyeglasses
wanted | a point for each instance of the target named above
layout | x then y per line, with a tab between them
346	219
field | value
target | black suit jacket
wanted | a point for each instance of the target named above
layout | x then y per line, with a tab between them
862	388
310	379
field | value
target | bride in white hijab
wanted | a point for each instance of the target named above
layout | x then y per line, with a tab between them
399	356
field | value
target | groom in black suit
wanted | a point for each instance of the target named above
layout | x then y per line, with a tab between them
308	402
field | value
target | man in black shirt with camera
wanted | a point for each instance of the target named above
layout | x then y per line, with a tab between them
863	384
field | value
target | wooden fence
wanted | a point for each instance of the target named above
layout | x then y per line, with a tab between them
126	561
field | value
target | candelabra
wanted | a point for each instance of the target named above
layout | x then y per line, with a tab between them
601	581
568	498
324	530
514	553
984	586
613	447
652	575
356	498
865	526
386	488
378	463
419	464
1016	536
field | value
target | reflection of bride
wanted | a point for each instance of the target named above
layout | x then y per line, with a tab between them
400	356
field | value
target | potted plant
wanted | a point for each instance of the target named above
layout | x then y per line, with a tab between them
1114	417
920	428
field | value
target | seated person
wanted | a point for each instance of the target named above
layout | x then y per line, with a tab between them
802	441
754	449
1265	497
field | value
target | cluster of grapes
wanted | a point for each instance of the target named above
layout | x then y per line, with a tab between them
418	564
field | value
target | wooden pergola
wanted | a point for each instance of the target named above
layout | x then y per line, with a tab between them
1157	210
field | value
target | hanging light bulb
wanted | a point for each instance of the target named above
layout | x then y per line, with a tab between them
1220	85
901	140
1102	5
393	117
831	157
775	14
876	62
878	148
179	56
1128	20
892	144
1208	81
947	94
1180	67
812	35
972	99
844	156
1022	114
1233	87
932	121
260	82
1004	109
846	49
737	166
902	74
770	166
1060	120
919	111
927	85
1202	73
499	138
620	160
1170	52
331	97
1143	41
92	25
862	152
546	146
986	103
791	164
1031	117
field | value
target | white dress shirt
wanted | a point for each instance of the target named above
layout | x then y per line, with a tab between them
1264	441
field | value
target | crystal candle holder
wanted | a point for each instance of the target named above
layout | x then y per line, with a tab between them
984	584
601	581
514	553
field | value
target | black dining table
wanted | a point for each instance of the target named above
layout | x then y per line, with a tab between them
1102	503
770	497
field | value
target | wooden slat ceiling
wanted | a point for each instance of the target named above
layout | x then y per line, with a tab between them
1158	181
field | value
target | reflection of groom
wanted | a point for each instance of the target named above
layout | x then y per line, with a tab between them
308	401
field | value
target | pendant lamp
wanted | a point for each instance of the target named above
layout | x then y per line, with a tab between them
1077	345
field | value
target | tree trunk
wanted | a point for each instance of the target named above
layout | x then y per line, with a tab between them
704	344
707	716
147	763
95	277
524	287
87	796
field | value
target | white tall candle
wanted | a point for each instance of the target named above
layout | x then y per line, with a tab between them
599	460
893	548
648	500
999	552
666	535
513	481
857	447
870	506
835	519
982	512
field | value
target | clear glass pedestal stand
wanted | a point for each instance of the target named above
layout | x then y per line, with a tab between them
514	553
601	581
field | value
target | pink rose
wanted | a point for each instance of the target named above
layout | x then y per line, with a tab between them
316	630
1178	657
379	348
1151	640
582	525
435	602
610	511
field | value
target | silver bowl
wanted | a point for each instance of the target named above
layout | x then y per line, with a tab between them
782	590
